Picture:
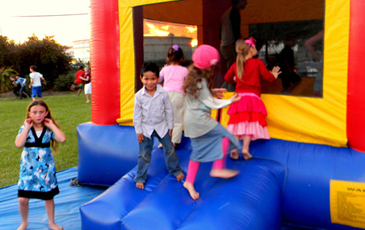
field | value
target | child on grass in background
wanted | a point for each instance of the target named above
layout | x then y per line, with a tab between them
35	82
37	178
153	117
247	117
23	83
79	83
209	140
173	76
87	83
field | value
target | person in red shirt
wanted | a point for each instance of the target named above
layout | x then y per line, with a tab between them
78	81
247	116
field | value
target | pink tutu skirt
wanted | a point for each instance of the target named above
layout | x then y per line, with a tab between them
247	117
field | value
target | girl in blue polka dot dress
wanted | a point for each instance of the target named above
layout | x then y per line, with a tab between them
37	177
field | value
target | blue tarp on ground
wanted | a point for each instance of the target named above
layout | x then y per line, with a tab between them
67	205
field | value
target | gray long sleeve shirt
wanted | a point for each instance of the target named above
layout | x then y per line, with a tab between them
197	119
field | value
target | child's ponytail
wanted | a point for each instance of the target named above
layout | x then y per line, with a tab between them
242	49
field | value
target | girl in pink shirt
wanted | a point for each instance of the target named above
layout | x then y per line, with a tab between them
173	76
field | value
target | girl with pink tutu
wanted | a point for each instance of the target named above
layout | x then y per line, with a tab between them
247	116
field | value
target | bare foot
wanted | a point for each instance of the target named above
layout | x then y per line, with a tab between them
159	146
88	102
246	155
180	176
55	227
190	187
23	226
223	173
234	154
140	185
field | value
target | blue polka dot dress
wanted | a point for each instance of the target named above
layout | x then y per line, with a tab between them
37	177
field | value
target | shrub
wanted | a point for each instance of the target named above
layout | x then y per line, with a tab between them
5	82
63	82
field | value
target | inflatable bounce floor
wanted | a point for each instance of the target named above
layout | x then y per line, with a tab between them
286	184
67	205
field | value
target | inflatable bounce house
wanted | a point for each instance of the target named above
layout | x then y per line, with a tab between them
310	175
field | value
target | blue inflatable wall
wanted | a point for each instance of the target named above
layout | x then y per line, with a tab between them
286	183
106	153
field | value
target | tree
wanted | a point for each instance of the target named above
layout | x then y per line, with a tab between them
5	82
50	57
5	51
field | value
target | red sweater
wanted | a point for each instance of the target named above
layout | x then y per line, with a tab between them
77	77
250	83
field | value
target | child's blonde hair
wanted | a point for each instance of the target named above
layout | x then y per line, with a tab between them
242	49
54	143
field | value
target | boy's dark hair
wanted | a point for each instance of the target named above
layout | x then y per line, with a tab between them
17	75
81	67
33	67
150	66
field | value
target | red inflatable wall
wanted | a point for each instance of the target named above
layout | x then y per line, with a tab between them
356	79
104	44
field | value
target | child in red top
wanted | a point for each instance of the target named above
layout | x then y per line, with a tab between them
247	117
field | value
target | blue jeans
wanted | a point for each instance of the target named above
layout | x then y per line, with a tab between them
144	156
23	89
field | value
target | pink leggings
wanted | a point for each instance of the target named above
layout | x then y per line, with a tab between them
218	164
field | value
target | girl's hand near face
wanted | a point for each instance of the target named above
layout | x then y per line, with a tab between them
22	137
28	123
59	135
48	123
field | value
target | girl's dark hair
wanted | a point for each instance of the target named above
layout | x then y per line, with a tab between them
54	143
150	66
195	76
175	55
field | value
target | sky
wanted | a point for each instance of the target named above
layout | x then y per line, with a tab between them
19	19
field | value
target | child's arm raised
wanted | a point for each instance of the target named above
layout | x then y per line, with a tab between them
267	75
59	136
22	137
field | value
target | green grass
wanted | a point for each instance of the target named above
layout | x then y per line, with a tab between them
67	109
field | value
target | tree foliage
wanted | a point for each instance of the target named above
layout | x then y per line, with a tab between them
5	82
50	57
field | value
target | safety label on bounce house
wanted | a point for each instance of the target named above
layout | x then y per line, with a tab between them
347	203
